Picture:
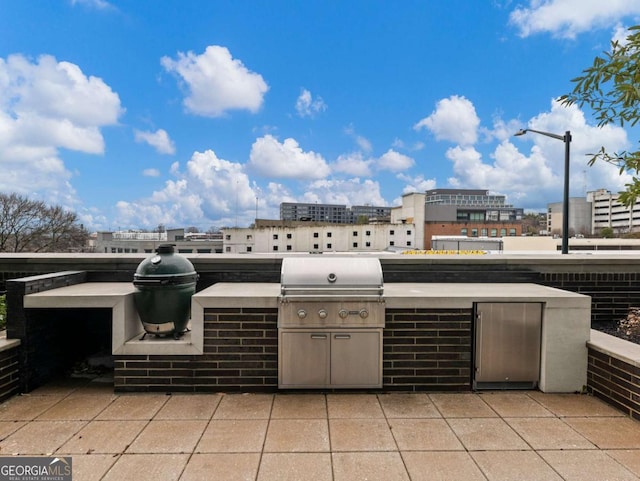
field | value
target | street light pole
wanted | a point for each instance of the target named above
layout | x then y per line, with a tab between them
566	138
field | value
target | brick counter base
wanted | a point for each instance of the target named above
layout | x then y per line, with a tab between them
9	371
240	354
424	349
427	350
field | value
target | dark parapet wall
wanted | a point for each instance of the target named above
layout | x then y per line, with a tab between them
613	281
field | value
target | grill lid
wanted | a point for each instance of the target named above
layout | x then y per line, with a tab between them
331	276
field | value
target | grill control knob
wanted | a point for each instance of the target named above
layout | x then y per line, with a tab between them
322	314
364	313
343	313
302	313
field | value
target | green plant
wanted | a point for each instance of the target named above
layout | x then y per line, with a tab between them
630	326
3	312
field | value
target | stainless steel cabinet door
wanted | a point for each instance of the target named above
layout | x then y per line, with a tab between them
508	342
304	359
356	358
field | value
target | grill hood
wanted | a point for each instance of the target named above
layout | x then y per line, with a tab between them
331	276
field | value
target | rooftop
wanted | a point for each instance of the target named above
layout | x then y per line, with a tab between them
316	436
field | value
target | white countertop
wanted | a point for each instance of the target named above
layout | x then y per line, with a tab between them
400	295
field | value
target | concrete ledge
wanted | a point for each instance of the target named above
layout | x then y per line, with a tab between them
6	344
626	351
126	326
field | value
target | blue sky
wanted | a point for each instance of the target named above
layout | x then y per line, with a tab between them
193	113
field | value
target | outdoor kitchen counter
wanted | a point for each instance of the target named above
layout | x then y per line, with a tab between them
126	326
566	316
404	295
411	295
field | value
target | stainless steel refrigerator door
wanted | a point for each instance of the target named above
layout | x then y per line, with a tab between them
507	348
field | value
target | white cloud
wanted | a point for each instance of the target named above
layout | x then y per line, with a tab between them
349	192
353	164
47	105
454	119
285	160
216	82
362	142
568	18
415	184
151	173
536	178
97	4
394	161
400	144
620	34
307	106
159	140
209	190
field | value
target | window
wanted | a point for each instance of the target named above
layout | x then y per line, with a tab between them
113	250
392	232
316	247
328	246
474	232
203	251
368	244
275	248
503	232
392	243
227	249
227	237
275	236
249	248
483	232
328	234
355	245
289	236
409	232
463	231
408	243
355	233
368	232
288	248
494	232
249	237
315	235
512	232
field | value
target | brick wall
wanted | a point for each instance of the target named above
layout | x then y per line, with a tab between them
9	372
240	354
424	349
615	381
427	349
612	293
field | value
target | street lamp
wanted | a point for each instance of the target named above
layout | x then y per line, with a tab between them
566	138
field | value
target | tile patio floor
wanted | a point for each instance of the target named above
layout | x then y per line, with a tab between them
526	436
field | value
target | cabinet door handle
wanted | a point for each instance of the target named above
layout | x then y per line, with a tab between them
342	336
318	336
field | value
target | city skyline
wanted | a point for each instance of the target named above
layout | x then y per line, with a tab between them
135	114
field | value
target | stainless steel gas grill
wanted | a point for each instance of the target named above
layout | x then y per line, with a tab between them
330	323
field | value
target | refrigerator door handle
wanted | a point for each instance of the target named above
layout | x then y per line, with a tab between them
479	343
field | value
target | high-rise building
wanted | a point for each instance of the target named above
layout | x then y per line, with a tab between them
332	213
